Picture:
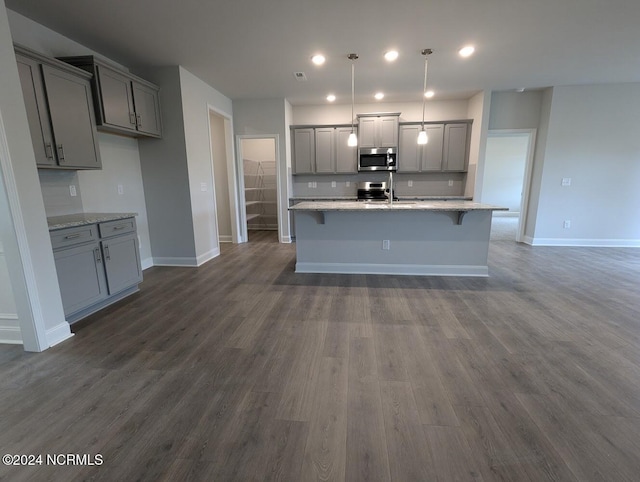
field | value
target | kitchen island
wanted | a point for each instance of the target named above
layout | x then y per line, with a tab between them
430	238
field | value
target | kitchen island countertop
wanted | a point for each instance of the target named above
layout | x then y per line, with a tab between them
83	219
452	205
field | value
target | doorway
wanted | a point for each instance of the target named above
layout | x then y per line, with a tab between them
506	179
258	173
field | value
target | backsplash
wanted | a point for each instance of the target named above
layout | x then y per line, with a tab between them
56	192
431	184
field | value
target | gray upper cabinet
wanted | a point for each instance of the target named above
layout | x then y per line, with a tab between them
447	149
456	147
304	151
59	107
125	103
323	150
376	130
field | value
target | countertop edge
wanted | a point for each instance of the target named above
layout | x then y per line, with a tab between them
396	206
56	223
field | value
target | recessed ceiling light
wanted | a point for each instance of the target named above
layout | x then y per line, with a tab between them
318	59
379	96
466	51
391	55
331	97
429	93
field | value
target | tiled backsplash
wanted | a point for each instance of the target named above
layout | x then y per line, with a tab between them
56	192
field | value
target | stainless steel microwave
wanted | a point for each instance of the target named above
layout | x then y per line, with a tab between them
377	159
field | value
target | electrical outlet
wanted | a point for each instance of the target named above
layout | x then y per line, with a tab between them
120	189
72	190
315	184
567	224
566	181
347	184
386	244
450	182
309	184
203	186
410	183
333	184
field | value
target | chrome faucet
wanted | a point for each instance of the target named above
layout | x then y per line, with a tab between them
391	188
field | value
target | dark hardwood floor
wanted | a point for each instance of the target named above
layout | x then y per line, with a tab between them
243	370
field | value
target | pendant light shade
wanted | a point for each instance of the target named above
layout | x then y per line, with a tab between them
353	139
422	135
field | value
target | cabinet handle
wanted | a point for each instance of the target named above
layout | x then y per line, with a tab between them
107	256
72	236
119	227
60	152
138	121
96	253
132	118
48	150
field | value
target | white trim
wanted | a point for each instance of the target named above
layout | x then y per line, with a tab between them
244	236
58	334
203	258
32	323
527	240
287	239
146	263
226	238
505	214
528	170
175	261
393	269
10	329
584	243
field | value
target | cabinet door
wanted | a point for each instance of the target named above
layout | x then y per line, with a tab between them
37	111
81	276
455	147
304	151
409	152
432	150
346	156
71	109
387	131
325	153
122	262
367	132
147	108
116	98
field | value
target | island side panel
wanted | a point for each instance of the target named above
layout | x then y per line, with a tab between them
420	242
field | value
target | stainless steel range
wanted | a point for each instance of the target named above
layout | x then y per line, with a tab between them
372	191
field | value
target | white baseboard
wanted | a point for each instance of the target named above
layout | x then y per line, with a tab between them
10	329
58	334
506	214
393	269
584	243
174	261
225	238
146	263
286	239
203	258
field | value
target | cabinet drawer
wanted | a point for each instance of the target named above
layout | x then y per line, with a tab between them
117	227
64	238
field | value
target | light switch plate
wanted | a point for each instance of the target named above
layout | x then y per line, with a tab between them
120	189
347	184
566	181
450	182
72	190
333	184
203	186
410	183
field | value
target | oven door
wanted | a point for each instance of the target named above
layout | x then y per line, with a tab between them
377	159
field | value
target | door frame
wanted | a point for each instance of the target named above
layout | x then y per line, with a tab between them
242	209
528	169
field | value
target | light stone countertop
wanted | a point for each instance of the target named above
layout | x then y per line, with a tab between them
83	219
396	206
402	198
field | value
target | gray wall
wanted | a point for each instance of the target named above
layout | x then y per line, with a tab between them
592	139
515	110
166	177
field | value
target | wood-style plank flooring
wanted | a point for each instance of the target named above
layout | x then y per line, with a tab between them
243	370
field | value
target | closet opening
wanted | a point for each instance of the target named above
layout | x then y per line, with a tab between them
258	157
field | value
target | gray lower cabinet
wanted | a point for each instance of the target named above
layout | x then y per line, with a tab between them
125	104
59	107
96	264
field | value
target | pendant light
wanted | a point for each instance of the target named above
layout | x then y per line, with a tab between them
422	136
353	139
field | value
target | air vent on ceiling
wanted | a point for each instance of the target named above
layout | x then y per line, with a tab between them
301	76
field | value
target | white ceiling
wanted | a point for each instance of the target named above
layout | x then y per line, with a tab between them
250	48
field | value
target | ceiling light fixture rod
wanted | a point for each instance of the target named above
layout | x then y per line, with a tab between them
353	140
422	136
